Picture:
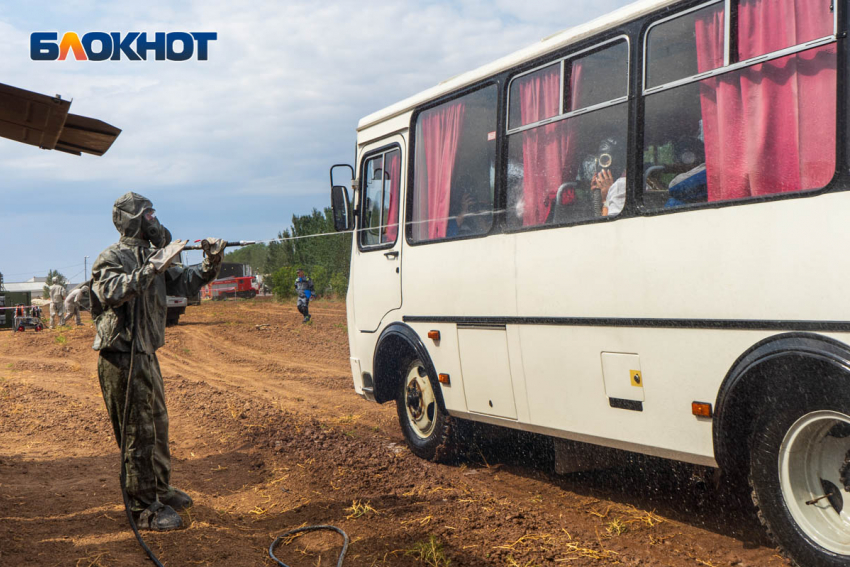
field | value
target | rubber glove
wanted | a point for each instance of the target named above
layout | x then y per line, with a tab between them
164	257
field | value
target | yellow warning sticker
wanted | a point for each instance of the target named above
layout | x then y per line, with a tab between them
637	379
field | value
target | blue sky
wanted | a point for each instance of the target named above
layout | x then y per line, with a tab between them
234	146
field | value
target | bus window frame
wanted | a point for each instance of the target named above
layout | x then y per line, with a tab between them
562	61
595	44
841	177
728	65
371	154
499	196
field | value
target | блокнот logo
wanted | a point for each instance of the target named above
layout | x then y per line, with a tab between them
134	46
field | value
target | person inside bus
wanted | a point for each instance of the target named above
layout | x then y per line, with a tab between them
610	177
475	215
689	187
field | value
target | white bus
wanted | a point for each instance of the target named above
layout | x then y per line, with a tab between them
631	234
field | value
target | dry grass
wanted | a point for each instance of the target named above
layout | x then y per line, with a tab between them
429	552
92	560
576	550
359	509
616	527
420	521
511	562
628	518
526	539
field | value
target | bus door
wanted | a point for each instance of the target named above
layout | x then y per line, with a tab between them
376	263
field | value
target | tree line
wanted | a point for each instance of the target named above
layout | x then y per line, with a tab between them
326	259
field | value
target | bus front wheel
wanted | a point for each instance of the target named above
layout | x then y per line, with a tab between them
800	477
427	428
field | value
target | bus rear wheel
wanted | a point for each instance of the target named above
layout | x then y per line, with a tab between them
800	477
427	428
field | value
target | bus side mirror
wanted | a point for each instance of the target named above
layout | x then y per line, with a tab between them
341	206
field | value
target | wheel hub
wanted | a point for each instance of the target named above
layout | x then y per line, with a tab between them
414	400
419	402
813	474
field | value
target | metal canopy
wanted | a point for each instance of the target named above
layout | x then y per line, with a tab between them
44	121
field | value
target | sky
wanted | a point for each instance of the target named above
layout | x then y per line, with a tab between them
233	146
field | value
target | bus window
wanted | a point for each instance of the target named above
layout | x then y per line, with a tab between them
381	185
554	168
764	129
673	48
548	106
453	186
764	27
392	183
597	78
373	175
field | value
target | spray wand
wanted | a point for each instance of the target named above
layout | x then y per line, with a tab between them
205	245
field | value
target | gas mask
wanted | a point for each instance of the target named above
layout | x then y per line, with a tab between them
153	231
607	158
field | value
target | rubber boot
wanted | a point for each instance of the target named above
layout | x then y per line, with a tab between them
159	517
178	500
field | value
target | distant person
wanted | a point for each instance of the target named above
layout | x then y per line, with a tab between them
304	289
74	303
57	304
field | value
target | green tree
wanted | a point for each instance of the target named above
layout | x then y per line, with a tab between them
283	282
280	253
338	284
254	255
312	244
53	277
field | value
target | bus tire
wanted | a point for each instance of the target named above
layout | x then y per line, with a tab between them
800	453
427	427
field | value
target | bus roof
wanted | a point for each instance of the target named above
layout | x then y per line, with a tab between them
546	45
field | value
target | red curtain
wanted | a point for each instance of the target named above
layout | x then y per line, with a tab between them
546	150
394	168
769	128
438	134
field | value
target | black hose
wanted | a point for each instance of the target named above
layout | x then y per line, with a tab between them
311	529
123	475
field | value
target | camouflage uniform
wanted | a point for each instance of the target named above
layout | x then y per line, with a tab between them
123	277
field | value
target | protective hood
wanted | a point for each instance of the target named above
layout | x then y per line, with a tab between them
127	214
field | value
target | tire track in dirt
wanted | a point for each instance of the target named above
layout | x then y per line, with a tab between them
230	363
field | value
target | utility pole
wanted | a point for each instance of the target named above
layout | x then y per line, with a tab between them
85	268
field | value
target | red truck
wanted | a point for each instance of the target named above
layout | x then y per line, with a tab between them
243	286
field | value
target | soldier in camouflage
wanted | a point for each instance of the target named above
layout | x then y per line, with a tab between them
130	280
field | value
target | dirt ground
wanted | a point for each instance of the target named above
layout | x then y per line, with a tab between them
268	435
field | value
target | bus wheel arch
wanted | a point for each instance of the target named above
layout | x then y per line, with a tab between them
762	371
405	373
782	427
397	345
